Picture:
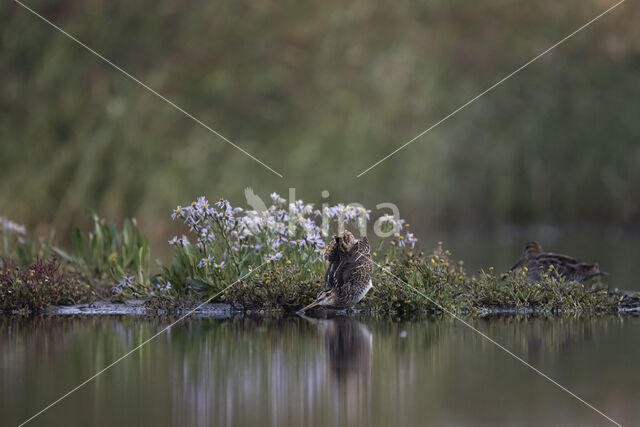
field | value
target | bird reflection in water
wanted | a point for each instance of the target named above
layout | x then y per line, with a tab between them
349	357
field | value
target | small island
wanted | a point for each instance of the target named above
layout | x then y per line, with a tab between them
232	260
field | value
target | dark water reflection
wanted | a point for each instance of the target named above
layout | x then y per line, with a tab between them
341	371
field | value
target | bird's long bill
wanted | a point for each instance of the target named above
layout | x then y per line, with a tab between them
310	306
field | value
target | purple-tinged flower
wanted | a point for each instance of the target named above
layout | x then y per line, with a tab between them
274	257
202	203
411	240
127	282
276	243
193	222
178	212
164	288
6	225
207	235
206	261
179	241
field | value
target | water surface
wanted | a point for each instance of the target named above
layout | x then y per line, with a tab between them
341	371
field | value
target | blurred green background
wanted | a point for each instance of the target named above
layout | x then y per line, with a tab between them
320	92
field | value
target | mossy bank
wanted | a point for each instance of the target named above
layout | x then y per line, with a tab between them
270	261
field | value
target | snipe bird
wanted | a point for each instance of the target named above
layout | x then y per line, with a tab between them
348	277
537	263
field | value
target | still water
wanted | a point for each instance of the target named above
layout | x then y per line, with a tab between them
318	372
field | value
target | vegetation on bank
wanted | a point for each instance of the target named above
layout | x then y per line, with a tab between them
271	260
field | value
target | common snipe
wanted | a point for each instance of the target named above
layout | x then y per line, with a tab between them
348	277
537	263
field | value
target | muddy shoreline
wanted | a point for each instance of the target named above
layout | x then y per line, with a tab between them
225	311
140	307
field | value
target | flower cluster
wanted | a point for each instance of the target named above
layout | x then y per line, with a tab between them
209	261
395	226
278	227
164	288
128	286
410	240
125	284
161	288
346	214
205	220
179	241
224	235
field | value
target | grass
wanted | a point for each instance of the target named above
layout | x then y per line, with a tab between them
441	282
443	285
279	254
107	254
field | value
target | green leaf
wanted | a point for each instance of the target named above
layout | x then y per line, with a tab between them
198	285
126	233
64	255
77	242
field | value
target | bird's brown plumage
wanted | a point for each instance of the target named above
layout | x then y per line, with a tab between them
348	276
538	263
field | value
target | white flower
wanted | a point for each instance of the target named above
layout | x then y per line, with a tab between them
7	226
411	240
277	199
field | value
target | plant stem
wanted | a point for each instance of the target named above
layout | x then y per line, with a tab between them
226	240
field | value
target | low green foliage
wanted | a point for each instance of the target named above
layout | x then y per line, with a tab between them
415	282
187	272
283	285
32	289
268	261
106	255
277	255
437	283
407	283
